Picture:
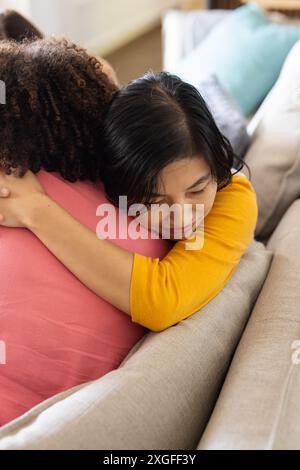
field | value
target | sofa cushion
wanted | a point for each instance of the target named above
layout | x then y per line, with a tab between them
183	30
246	51
162	394
259	404
274	153
227	115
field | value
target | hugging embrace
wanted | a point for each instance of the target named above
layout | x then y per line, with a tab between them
73	305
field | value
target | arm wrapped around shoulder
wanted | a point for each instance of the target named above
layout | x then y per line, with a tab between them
164	292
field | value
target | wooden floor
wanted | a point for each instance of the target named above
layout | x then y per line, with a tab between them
137	57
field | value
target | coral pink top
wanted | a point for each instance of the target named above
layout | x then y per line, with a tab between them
57	332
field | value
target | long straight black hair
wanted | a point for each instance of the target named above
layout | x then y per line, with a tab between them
152	122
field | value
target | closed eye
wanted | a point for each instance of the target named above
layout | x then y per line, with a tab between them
198	192
193	192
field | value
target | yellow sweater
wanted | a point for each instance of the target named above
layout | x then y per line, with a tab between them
164	292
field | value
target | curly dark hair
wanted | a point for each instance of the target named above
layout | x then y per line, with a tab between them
56	97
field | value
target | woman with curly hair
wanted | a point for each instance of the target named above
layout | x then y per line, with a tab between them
56	98
57	332
156	144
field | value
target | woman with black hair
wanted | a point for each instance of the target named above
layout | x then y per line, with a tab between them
160	145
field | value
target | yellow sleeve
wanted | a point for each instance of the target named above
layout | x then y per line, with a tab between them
164	292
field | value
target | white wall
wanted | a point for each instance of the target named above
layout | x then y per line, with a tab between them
21	5
100	25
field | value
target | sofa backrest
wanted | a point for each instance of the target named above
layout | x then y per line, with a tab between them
162	394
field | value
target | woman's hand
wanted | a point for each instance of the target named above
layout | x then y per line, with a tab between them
18	197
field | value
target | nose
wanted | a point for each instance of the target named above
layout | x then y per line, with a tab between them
182	213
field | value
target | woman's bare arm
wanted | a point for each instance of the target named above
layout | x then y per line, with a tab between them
102	266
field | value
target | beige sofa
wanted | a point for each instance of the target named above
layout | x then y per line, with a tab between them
228	376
